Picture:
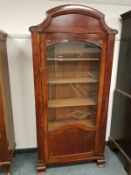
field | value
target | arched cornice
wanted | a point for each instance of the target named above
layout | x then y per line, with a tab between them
72	9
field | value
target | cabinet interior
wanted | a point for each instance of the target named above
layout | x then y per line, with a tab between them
73	77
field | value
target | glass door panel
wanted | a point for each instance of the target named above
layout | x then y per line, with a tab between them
73	75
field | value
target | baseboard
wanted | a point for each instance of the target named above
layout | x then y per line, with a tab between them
25	150
106	142
33	150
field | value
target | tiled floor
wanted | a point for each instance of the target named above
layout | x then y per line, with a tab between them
24	164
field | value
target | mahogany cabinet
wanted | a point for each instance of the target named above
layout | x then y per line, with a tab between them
7	139
120	135
72	60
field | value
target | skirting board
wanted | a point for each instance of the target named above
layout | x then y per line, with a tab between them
25	150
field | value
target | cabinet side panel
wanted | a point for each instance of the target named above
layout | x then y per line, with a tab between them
5	87
38	96
106	89
3	139
124	68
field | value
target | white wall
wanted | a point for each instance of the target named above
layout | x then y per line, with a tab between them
16	17
22	90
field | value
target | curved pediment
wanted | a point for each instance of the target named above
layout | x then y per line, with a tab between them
73	18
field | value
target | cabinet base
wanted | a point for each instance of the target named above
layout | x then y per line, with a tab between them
114	145
127	167
7	167
7	164
41	172
101	162
41	168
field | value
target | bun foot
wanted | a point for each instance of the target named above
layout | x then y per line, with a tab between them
41	173
41	170
101	163
8	170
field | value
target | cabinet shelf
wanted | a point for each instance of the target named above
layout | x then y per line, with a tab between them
124	93
56	103
71	80
54	125
73	59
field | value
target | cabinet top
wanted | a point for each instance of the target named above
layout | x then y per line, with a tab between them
74	18
3	35
126	15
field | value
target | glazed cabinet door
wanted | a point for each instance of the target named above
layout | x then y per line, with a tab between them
73	80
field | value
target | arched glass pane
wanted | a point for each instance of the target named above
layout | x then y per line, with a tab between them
73	75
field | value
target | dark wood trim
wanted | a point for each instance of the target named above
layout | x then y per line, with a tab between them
126	15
